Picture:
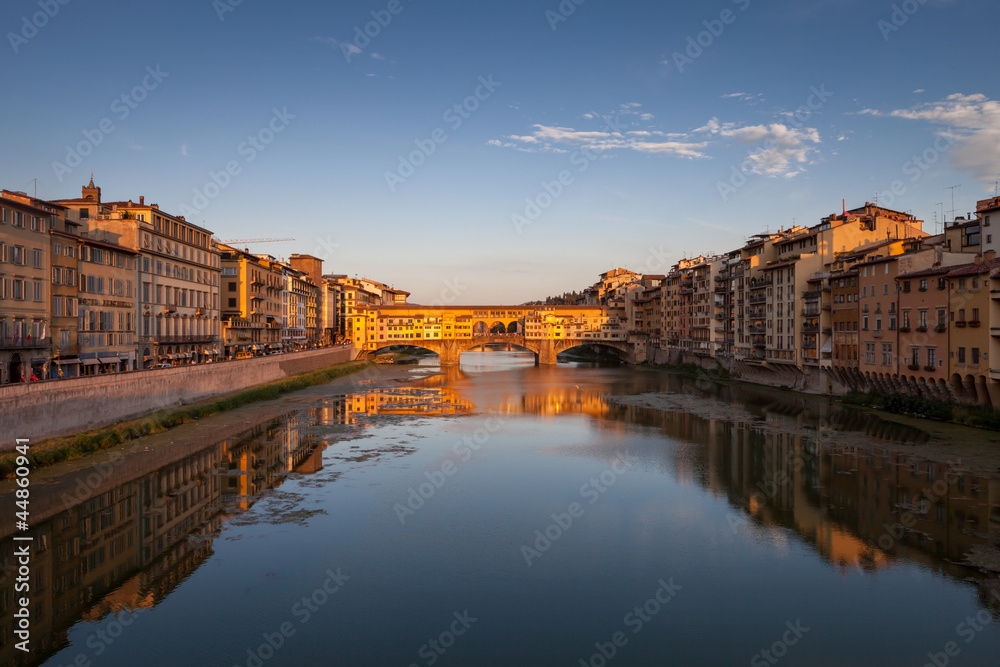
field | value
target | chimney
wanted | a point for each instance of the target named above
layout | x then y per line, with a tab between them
990	255
979	259
142	200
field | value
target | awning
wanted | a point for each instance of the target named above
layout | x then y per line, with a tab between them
90	362
67	362
828	346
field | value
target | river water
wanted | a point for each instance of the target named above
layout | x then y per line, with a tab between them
507	514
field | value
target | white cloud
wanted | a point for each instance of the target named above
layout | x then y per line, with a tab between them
184	150
751	98
553	139
918	91
972	122
782	149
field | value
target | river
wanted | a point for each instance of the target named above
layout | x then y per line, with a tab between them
507	514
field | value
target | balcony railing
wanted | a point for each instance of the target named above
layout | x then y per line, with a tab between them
173	340
18	342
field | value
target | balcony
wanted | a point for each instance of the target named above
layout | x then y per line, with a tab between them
810	312
758	298
19	342
174	340
810	328
876	333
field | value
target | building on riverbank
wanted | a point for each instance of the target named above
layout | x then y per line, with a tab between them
178	282
25	292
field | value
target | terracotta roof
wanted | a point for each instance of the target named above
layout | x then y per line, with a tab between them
935	271
974	269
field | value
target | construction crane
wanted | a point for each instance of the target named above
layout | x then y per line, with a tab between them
250	241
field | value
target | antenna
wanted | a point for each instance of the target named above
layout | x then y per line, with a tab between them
952	188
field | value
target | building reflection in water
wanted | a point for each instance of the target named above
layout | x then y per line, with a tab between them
782	463
125	548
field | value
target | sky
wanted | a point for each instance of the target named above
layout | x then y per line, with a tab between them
496	153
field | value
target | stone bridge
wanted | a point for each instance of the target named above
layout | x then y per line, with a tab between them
545	349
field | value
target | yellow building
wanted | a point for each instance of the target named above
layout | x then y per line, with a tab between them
65	253
251	309
969	331
25	295
107	307
178	280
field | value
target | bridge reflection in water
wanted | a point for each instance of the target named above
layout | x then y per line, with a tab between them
834	477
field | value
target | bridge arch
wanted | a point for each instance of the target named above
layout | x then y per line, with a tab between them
619	353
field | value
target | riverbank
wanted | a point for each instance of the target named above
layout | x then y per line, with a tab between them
39	411
907	405
55	450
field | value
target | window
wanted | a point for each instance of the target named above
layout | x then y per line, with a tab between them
961	314
932	357
975	355
975	314
870	353
961	355
940	317
922	318
232	287
887	354
914	356
906	286
37	290
864	325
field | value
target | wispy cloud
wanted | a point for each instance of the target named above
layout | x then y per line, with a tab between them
348	47
973	123
184	150
749	98
626	128
780	150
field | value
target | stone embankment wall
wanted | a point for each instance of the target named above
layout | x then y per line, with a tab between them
56	408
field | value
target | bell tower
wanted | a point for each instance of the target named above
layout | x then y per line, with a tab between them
91	192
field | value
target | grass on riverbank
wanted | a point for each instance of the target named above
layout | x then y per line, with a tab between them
68	448
982	416
717	373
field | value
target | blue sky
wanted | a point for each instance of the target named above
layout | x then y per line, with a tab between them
606	134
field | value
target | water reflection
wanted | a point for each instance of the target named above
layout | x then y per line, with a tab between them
833	476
